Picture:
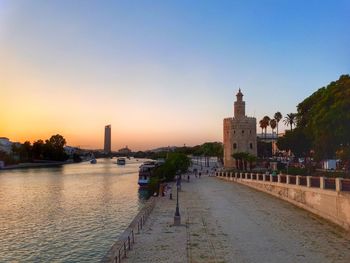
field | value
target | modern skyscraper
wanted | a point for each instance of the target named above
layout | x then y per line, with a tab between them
107	148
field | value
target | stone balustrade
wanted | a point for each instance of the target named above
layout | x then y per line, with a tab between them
326	197
318	182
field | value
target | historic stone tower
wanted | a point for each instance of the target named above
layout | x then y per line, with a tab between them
239	133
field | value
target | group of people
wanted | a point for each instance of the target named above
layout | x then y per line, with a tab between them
199	172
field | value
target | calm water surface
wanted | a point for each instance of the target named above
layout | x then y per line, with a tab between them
72	213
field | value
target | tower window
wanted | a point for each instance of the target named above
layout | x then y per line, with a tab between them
250	131
234	131
251	146
242	131
235	146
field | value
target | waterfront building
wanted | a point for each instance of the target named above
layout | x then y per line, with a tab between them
239	133
107	145
270	138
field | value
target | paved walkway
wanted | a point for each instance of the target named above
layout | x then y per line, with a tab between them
228	222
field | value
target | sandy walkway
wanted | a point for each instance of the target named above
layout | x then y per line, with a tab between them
228	222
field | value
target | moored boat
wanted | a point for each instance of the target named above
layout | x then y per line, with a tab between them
93	161
145	173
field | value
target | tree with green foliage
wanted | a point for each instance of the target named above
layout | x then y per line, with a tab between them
212	149
26	151
323	122
296	141
37	149
251	159
325	115
242	159
7	158
175	163
179	161
53	148
237	157
245	157
23	152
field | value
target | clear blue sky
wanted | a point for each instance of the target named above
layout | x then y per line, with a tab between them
161	72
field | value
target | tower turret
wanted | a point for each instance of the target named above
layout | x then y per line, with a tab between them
239	105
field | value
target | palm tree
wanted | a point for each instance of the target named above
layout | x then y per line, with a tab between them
266	119
245	157
251	159
278	117
237	157
262	125
273	124
290	120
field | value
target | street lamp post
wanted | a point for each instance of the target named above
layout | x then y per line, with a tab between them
177	217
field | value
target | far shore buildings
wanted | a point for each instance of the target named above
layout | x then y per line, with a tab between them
124	151
5	145
107	145
239	133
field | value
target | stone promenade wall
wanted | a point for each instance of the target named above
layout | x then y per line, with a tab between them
325	197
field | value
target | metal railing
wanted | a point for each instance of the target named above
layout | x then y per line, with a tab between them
330	183
126	241
303	181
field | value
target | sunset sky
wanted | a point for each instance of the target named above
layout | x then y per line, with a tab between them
160	72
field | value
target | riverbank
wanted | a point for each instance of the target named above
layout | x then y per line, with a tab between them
35	165
227	222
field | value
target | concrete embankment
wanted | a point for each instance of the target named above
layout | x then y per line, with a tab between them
35	165
331	204
228	222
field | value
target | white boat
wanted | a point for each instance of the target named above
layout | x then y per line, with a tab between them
121	161
145	173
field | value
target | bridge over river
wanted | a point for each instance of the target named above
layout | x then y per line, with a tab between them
228	222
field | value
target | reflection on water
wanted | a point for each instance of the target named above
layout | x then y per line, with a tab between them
70	213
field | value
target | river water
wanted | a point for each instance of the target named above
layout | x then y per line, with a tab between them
71	213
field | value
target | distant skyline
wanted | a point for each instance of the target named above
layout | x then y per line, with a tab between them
161	72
